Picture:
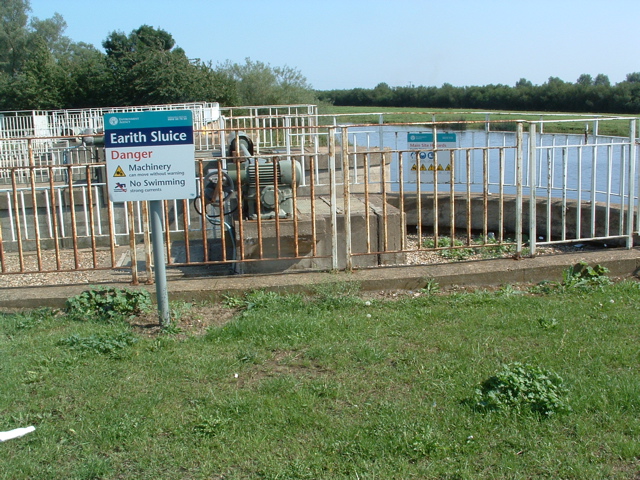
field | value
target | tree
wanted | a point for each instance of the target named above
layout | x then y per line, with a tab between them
259	83
585	80
633	77
13	34
38	83
602	80
523	83
146	67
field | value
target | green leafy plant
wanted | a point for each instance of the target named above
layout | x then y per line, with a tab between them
523	387
431	288
110	345
584	276
457	254
210	426
547	323
109	304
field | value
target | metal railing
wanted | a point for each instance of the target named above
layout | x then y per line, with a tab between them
364	197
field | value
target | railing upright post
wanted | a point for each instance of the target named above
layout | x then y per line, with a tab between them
632	185
347	197
519	157
333	197
532	189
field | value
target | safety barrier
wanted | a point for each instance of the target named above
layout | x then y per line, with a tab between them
335	196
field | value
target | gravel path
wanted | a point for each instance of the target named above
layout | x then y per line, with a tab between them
414	256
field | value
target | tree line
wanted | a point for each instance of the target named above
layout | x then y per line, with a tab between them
41	68
587	94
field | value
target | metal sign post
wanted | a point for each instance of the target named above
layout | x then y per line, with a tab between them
150	157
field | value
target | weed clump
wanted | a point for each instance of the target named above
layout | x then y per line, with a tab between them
583	276
109	304
110	345
522	387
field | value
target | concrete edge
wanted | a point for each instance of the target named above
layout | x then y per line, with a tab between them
621	263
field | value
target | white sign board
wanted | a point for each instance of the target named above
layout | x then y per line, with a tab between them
150	155
423	162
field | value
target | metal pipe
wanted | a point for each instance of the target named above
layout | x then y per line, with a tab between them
333	199
132	244
146	235
346	196
312	192
91	218
632	178
532	189
367	212
74	229
436	232
54	219
162	293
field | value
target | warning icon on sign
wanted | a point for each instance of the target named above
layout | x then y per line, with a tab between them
119	172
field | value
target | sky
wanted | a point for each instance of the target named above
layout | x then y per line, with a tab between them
343	44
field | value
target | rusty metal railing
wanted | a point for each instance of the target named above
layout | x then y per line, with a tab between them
356	201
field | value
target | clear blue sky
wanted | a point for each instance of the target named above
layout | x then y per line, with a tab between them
360	43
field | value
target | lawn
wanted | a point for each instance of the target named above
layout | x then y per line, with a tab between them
334	385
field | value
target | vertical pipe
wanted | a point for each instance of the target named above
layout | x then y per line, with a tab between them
112	236
132	244
501	196
258	209
485	194
565	155
622	185
94	253
203	210
452	198
276	197
468	168
185	227
162	294
549	184
367	213
403	237
594	162
608	200
435	187
632	178
333	199
579	200
240	208
54	218
167	222
74	228
519	160
34	203
532	189
148	248
346	196
312	194
3	266
418	164
294	213
385	218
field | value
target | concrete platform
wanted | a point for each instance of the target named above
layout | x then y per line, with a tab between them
620	262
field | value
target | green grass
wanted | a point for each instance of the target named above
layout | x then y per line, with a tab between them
368	115
333	386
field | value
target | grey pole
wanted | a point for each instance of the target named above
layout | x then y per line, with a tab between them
162	294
